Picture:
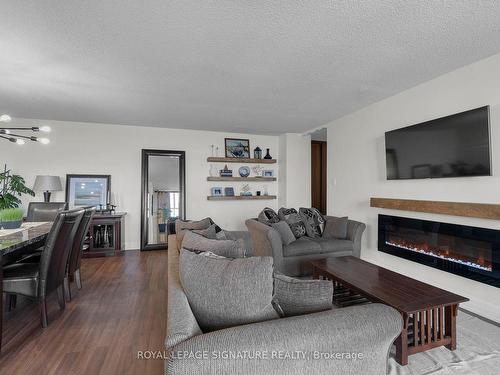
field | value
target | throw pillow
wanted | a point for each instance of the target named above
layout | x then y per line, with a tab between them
226	248
336	227
292	218
207	233
217	228
285	232
182	226
268	216
313	220
298	297
227	292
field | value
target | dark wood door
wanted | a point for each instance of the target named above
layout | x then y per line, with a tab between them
318	175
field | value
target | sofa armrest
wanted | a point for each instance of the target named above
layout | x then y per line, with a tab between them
361	335
181	322
243	235
355	231
260	233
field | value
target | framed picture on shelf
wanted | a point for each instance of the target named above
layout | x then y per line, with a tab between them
229	192
88	189
216	191
267	173
237	148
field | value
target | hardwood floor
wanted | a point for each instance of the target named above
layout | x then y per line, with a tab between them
122	308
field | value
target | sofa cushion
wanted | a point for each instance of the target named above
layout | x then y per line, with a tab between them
286	234
268	216
313	221
209	232
332	245
292	217
225	248
182	226
225	292
336	227
302	246
298	297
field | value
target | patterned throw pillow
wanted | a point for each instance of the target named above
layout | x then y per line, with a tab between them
292	218
268	216
314	221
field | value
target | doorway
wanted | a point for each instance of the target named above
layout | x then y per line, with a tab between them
318	170
162	196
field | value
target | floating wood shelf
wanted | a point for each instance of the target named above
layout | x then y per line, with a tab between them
241	178
241	160
480	210
239	197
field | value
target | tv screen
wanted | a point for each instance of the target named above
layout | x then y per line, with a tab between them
451	146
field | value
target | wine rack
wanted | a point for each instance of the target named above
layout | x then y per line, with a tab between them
105	236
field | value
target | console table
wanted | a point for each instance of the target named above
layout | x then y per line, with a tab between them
429	313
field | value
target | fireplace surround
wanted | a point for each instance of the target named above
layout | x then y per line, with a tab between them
470	252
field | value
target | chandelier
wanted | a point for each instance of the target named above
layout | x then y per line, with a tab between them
8	132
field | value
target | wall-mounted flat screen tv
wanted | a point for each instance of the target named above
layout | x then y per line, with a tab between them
451	146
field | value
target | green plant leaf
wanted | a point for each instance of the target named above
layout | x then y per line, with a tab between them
12	187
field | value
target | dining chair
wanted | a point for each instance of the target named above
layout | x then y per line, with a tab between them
38	280
44	211
75	256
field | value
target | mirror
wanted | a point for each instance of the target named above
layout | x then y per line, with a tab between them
163	196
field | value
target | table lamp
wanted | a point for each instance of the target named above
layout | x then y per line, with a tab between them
47	184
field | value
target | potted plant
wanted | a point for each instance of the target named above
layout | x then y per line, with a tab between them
12	187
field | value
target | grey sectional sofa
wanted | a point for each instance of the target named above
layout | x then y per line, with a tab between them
292	260
369	329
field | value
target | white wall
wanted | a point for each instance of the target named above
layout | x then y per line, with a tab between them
356	169
295	170
81	148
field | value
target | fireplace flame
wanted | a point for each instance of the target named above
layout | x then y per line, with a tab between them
443	252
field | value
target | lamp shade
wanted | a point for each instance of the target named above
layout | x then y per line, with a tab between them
47	183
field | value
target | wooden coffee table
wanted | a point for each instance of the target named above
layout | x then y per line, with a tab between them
429	313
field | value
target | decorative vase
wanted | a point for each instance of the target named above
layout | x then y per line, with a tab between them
257	153
268	156
214	172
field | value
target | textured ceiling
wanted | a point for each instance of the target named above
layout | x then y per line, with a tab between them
243	66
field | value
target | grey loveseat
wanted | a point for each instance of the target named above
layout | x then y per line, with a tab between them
311	341
292	260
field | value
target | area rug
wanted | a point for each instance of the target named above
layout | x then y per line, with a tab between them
477	353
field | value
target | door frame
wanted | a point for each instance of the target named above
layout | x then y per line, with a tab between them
145	153
323	176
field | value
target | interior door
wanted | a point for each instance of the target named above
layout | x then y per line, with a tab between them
318	175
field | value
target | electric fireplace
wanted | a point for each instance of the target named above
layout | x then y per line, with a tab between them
463	250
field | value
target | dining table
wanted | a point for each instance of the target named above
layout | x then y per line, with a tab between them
14	243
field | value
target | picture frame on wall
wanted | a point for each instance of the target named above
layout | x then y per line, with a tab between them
237	148
88	190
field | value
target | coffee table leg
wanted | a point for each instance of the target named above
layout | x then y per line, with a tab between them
402	343
451	325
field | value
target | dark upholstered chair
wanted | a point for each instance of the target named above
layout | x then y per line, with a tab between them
44	211
38	280
75	256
